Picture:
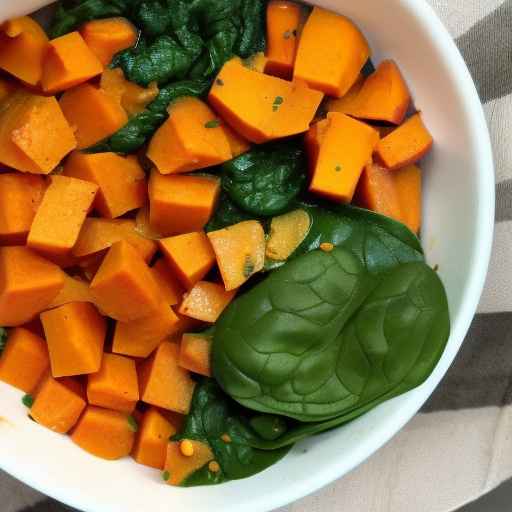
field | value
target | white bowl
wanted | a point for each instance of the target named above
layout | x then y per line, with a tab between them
457	235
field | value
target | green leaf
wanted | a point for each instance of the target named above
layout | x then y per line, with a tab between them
3	339
227	214
266	180
213	415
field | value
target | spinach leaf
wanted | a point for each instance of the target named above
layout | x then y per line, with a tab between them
212	416
266	180
252	34
380	242
226	214
3	339
322	338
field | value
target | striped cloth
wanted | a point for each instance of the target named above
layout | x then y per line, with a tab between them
460	446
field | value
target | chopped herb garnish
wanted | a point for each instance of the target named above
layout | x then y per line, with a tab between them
248	267
337	168
277	103
219	82
166	475
132	423
214	123
27	400
3	339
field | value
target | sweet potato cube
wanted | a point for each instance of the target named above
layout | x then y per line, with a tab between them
262	107
190	256
28	284
170	286
93	114
191	138
332	51
24	360
68	62
139	338
60	216
97	235
347	103
106	37
181	204
406	145
121	180
104	433
143	226
163	382
34	134
23	45
313	141
57	406
20	196
408	187
115	386
152	438
74	290
346	148
240	252
180	467
75	334
206	301
195	353
237	143
123	287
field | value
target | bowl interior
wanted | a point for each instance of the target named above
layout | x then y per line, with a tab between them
457	235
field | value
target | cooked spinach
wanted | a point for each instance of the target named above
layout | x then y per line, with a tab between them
212	416
266	180
226	214
3	339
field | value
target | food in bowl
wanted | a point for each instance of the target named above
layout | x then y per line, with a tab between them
209	231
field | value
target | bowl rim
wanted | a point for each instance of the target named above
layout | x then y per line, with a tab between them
484	230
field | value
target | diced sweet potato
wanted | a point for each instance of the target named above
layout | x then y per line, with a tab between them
104	433
60	216
68	62
181	204
108	36
408	187
346	147
24	360
20	196
190	256
116	385
286	233
7	87
75	334
123	287
28	284
57	406
195	353
332	51
121	180
93	114
240	252
346	104
180	466
406	145
34	134
143	226
170	286
74	290
190	139
206	301
163	382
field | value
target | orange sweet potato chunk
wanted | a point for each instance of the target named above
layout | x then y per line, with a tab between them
60	216
346	148
23	45
346	104
28	284
93	114
406	145
106	37
195	353
116	385
57	406
170	286
163	382
75	334
24	360
104	433
179	466
181	204
139	338
190	139
408	187
123	287
74	290
332	51
190	256
262	107
34	134
206	301
121	180
97	235
151	442
20	196
68	62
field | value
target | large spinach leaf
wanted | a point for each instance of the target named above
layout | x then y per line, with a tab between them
213	415
266	180
323	339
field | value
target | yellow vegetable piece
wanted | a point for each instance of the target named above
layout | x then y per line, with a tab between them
286	234
180	466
